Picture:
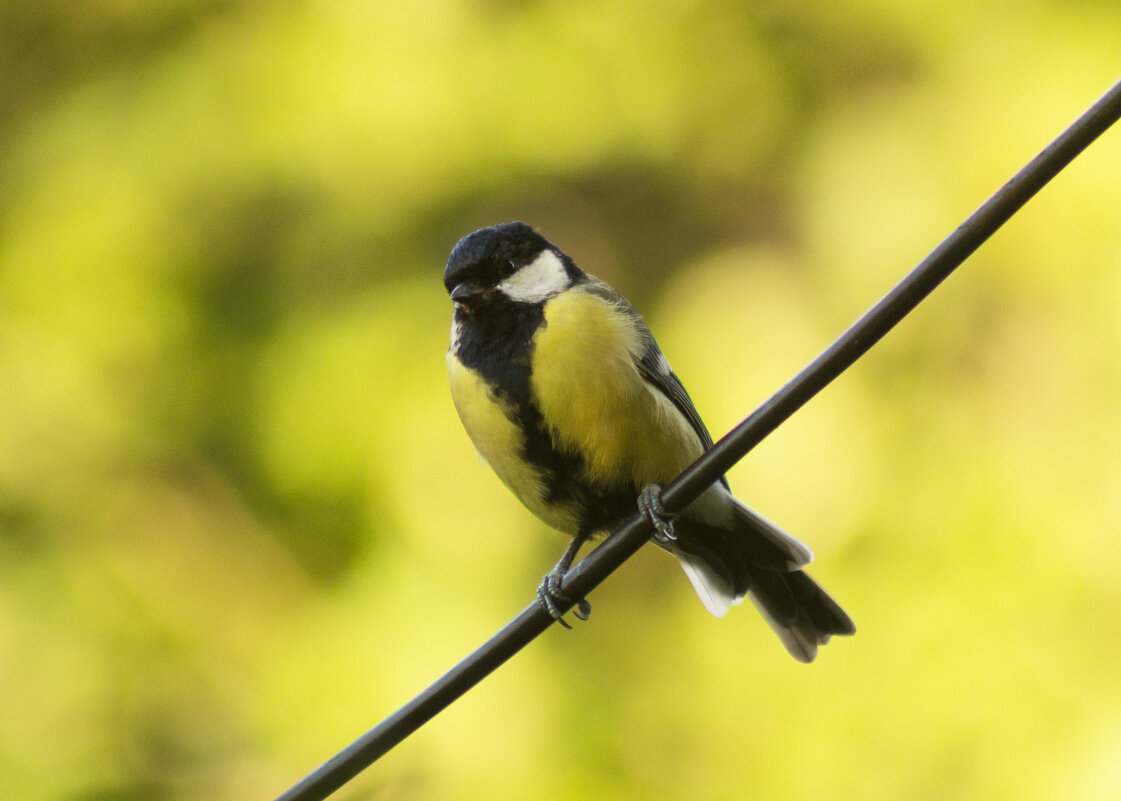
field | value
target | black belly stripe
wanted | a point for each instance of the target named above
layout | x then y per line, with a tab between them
498	344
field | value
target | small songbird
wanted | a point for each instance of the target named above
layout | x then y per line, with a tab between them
567	396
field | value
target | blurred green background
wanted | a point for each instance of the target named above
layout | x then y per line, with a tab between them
240	523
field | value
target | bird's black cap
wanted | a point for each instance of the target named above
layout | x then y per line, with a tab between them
485	257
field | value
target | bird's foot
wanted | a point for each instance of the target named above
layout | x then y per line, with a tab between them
650	504
550	596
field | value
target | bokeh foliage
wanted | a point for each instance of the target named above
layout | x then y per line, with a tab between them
239	522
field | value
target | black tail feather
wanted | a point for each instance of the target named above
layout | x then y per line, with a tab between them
802	614
760	561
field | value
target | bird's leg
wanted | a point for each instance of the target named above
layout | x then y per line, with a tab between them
650	504
549	593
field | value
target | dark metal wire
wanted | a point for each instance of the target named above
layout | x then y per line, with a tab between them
617	548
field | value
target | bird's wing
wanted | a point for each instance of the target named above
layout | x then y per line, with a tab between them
656	370
654	367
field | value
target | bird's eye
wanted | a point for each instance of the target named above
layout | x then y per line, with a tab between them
509	268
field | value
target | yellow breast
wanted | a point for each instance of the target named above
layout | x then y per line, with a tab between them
490	425
595	402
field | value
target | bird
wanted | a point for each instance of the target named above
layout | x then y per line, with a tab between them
564	392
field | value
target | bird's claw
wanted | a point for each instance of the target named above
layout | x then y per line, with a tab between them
550	593
650	504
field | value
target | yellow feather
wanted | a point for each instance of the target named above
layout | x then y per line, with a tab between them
499	441
592	397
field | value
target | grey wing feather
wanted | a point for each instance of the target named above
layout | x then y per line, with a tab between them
654	368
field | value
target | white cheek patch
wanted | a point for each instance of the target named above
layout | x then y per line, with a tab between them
543	277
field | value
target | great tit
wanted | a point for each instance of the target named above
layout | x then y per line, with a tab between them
564	392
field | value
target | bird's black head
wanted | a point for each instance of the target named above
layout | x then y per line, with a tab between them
510	260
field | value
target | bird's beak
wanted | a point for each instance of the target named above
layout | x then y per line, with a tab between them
465	293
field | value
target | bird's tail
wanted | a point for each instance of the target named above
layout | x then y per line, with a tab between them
761	561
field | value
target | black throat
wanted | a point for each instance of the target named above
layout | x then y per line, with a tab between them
495	339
